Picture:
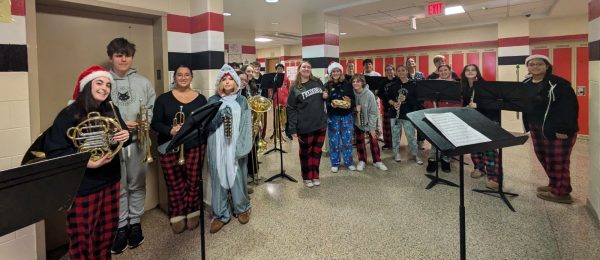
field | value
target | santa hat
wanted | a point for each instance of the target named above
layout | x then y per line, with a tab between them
538	56
88	75
225	70
334	65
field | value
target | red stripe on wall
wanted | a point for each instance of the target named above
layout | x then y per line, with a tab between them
562	62
399	61
458	62
473	58
358	67
178	23
424	48
545	52
208	21
248	49
513	41
574	37
17	7
489	65
261	59
582	80
378	64
593	10
424	64
320	39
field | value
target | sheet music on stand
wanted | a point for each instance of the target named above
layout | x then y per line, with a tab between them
456	130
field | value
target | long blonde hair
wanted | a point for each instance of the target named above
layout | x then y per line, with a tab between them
220	87
298	80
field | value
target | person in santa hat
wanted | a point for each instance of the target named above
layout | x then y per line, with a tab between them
93	217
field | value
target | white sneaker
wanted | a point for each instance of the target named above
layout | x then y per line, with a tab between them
360	166
419	161
381	166
352	168
397	158
308	183
316	182
335	169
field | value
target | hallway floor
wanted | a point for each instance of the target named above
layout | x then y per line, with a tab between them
389	215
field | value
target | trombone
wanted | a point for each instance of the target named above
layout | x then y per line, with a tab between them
179	119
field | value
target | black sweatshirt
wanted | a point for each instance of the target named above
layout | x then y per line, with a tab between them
386	92
410	104
165	107
338	90
557	98
58	144
306	108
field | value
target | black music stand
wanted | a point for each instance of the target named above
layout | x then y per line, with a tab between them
498	136
32	192
195	126
436	91
497	96
274	81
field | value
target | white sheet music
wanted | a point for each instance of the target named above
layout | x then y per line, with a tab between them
455	129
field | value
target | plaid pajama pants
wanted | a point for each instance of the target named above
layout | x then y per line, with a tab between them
359	136
310	153
488	162
92	223
387	130
555	157
183	181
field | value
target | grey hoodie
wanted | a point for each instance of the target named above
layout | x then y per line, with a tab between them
369	109
128	92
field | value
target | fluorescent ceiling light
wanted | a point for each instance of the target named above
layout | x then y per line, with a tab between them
343	33
226	14
262	39
275	23
271	1
454	10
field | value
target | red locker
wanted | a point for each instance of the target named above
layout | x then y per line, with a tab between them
458	63
424	64
583	82
562	62
488	69
545	52
399	60
343	63
378	65
473	58
358	68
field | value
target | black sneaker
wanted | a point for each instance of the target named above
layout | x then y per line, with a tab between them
431	166
445	166
135	236
120	243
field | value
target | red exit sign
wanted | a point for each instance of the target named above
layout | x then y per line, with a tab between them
435	8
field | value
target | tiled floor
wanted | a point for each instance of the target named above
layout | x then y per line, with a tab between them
389	215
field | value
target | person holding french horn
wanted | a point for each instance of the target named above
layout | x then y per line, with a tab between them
182	168
93	217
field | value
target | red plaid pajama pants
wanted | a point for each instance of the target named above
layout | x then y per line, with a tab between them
359	136
555	157
387	130
183	181
92	223
310	153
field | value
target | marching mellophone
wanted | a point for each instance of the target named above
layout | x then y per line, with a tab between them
94	135
143	132
179	119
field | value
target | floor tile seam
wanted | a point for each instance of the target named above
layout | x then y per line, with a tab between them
554	231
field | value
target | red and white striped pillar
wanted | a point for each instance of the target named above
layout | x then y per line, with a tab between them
320	41
198	41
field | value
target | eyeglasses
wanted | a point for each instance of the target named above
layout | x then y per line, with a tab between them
184	75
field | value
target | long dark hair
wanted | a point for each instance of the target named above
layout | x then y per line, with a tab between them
85	103
464	82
